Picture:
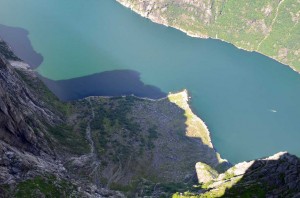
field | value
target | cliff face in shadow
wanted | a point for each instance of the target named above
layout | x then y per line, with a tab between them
275	176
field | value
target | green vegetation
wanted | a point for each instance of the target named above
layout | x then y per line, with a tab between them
118	137
124	188
132	136
253	190
216	187
70	139
68	136
229	186
153	135
45	94
228	175
269	27
195	127
39	186
146	188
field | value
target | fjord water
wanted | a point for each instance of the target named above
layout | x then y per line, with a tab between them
249	102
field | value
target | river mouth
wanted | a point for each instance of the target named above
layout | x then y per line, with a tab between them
249	102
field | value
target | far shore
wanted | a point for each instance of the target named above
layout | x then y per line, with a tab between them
194	35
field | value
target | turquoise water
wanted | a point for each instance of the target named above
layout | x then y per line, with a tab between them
249	102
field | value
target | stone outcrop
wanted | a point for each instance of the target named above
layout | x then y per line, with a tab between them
275	176
18	107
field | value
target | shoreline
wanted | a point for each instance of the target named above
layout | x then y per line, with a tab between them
193	35
185	98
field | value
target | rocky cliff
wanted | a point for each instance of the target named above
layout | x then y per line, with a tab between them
269	27
29	163
275	176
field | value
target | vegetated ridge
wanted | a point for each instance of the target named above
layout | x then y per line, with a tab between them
265	26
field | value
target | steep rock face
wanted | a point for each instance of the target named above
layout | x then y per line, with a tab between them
24	148
22	115
259	26
29	160
275	176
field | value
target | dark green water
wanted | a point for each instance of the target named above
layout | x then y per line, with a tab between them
249	102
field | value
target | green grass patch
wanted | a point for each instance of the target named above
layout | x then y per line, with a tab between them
44	187
69	139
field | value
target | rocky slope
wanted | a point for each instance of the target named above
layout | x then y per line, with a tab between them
269	27
132	138
29	163
141	147
275	176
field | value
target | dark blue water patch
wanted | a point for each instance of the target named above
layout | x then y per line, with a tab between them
110	83
17	39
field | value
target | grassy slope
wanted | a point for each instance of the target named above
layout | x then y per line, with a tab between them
269	27
41	187
195	126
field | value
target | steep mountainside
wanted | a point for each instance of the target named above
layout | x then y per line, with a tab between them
275	176
269	27
29	162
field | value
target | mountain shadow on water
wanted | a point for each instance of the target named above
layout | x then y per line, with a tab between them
17	38
109	83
